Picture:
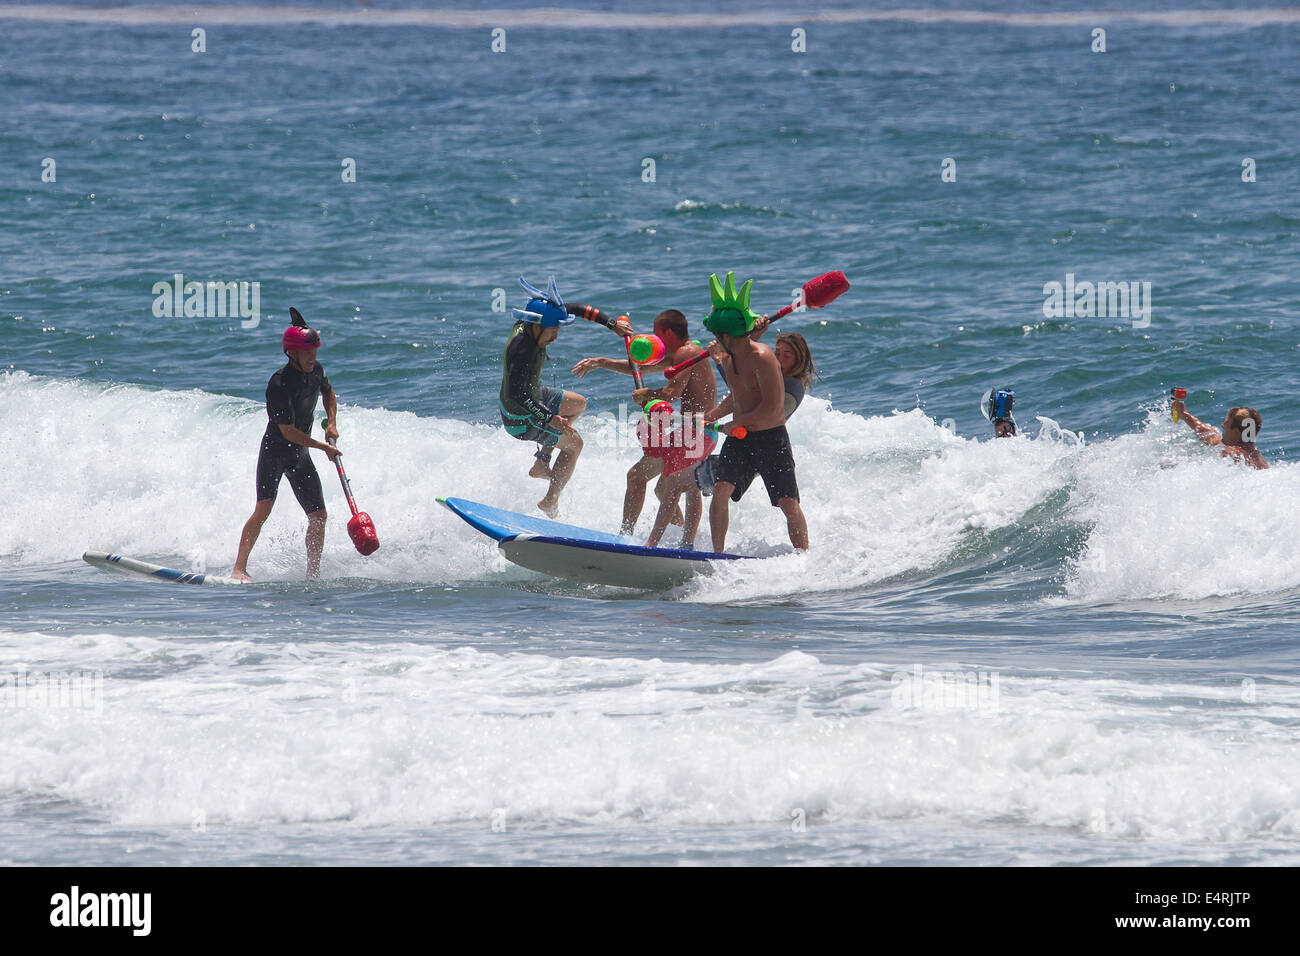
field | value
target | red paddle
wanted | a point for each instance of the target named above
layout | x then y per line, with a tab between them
360	528
817	293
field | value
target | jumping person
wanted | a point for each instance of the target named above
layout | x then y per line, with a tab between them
1237	442
757	401
290	408
533	412
698	390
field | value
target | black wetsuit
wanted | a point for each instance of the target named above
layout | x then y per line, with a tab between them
527	406
291	400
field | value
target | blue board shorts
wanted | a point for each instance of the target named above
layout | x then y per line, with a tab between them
704	475
528	427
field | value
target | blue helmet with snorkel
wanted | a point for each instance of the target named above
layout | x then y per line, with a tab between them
544	308
996	405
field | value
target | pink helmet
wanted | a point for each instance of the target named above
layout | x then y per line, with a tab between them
300	339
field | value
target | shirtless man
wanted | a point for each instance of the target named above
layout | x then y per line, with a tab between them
757	401
1237	442
697	389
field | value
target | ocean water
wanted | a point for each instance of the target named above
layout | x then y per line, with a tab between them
1078	646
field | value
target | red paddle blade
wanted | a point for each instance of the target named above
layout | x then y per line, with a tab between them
825	289
362	532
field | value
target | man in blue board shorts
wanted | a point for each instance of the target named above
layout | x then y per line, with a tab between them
290	408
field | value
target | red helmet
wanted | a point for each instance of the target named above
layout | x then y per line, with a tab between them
300	339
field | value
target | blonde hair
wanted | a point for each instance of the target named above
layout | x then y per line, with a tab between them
804	369
1238	414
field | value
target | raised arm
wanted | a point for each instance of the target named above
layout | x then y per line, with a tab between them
1204	432
608	364
620	326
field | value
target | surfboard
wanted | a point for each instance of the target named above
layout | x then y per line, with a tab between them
581	554
118	562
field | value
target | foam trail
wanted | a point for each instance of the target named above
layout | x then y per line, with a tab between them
340	734
225	15
1169	518
168	476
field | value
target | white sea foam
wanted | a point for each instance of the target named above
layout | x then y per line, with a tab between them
168	476
407	734
1170	518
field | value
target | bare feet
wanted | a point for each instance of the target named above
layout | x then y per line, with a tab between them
540	469
549	508
239	575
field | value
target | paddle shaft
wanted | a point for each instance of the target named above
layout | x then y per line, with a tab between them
343	477
825	298
636	369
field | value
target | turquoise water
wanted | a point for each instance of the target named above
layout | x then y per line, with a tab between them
1136	597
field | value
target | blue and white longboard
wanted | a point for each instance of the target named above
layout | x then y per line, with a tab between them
117	562
580	554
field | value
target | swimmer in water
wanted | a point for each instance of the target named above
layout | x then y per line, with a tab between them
1237	441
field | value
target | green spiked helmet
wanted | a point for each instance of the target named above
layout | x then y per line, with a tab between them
731	312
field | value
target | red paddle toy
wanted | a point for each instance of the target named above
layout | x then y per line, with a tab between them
360	528
817	293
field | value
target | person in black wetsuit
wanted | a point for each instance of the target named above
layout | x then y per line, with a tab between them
290	407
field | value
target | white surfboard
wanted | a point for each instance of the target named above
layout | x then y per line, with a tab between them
118	562
580	554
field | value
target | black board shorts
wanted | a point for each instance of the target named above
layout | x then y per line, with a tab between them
274	463
766	453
